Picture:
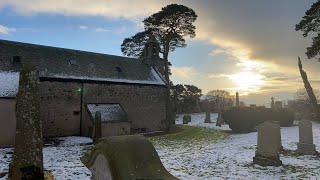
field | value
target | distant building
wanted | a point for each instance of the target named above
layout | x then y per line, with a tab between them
130	93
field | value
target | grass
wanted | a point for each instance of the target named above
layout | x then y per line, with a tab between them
186	135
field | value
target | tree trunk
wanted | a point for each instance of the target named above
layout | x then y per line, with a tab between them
309	90
169	109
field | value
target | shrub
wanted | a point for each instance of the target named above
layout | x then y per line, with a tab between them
245	119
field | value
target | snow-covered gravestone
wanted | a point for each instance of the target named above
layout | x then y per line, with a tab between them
267	153
219	120
305	145
27	158
208	118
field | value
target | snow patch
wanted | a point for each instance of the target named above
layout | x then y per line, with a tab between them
9	84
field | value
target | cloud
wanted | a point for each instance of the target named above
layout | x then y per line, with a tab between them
105	8
183	72
100	29
83	27
6	30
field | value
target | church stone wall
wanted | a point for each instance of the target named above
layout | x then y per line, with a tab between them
144	105
60	108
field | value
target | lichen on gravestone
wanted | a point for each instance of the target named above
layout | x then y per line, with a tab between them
27	158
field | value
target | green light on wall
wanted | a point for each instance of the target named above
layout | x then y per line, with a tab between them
79	89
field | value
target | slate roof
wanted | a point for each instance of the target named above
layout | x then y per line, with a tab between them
109	112
53	62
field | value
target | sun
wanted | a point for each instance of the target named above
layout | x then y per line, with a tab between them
248	81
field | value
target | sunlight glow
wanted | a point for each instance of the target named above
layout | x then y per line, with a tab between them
248	81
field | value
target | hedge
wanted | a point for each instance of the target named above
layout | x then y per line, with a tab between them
245	119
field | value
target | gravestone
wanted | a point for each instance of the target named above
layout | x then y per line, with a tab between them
219	120
186	119
237	100
305	145
125	157
97	126
278	105
208	118
27	158
267	153
272	103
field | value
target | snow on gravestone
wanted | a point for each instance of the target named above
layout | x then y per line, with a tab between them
208	119
305	145
267	153
27	158
125	157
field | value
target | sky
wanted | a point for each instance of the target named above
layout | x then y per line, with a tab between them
249	46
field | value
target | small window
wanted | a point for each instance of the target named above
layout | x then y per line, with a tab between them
16	59
119	69
72	62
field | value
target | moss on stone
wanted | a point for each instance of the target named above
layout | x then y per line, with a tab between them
129	157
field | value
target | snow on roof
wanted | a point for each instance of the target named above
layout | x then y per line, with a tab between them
109	112
154	78
9	84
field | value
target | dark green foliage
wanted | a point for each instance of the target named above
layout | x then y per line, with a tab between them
245	119
310	23
185	98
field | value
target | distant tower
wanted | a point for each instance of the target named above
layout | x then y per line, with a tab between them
237	100
272	103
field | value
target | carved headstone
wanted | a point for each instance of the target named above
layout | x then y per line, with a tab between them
125	157
208	118
267	153
27	158
97	126
219	120
305	145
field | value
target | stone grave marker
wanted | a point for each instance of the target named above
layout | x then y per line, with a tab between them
125	157
27	158
305	145
97	126
208	117
267	153
219	120
186	119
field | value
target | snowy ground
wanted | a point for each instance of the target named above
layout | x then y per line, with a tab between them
232	158
62	160
198	159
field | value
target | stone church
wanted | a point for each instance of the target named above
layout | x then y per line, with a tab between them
130	93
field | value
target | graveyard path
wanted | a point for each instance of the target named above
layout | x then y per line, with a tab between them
231	157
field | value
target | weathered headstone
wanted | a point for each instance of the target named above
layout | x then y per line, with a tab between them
237	100
305	145
208	117
97	126
278	105
27	158
272	103
219	120
267	153
186	119
125	157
